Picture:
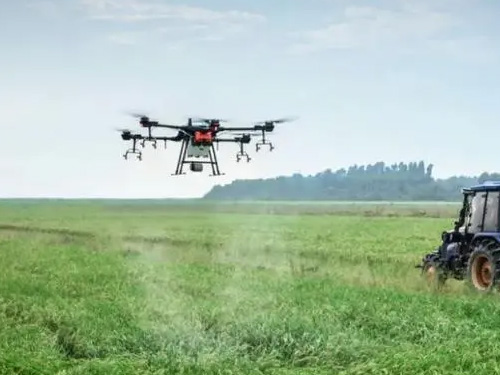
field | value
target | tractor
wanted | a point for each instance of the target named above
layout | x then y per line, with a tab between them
471	250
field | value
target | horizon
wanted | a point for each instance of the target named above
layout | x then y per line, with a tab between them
387	80
312	175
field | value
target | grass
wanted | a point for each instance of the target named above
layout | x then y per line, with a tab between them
122	288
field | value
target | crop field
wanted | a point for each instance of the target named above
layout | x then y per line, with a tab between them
180	288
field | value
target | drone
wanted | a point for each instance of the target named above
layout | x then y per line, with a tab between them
198	139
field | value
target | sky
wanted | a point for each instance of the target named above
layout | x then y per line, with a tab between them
367	81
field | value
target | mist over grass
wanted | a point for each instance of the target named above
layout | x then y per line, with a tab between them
136	289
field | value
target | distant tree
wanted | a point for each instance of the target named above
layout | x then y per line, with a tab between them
489	177
428	171
399	181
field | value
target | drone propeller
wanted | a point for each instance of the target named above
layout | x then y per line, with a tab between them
126	134
207	120
143	119
136	115
276	121
123	130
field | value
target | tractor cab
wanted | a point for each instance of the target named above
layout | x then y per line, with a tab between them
479	212
481	208
471	249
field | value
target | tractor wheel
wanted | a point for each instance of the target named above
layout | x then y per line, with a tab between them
483	269
433	274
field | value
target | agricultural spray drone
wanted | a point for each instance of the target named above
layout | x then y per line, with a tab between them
198	139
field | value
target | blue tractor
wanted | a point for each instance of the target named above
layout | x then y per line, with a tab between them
471	250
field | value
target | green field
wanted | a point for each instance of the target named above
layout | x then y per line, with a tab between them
178	288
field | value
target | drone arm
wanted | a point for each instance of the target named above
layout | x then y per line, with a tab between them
166	139
132	137
156	125
253	128
227	140
241	141
177	138
267	127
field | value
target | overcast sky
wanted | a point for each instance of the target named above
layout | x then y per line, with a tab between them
369	80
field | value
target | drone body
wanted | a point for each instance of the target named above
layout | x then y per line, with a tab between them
198	141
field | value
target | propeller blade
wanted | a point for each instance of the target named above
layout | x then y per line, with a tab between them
277	121
206	120
283	120
138	115
133	114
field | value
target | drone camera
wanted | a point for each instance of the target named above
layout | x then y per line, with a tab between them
196	167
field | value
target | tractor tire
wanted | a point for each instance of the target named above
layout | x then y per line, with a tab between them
483	268
433	274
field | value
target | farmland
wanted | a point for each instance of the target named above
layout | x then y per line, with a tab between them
179	288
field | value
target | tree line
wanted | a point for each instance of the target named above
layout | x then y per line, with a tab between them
374	182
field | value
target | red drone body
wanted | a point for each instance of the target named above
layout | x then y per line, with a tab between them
203	137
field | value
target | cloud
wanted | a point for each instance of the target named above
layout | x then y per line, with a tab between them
368	27
449	28
173	21
125	38
46	8
138	11
474	49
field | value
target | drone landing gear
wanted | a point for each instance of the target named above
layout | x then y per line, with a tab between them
134	151
263	143
196	165
242	154
138	153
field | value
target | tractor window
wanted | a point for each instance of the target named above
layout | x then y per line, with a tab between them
491	218
465	213
468	204
477	210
